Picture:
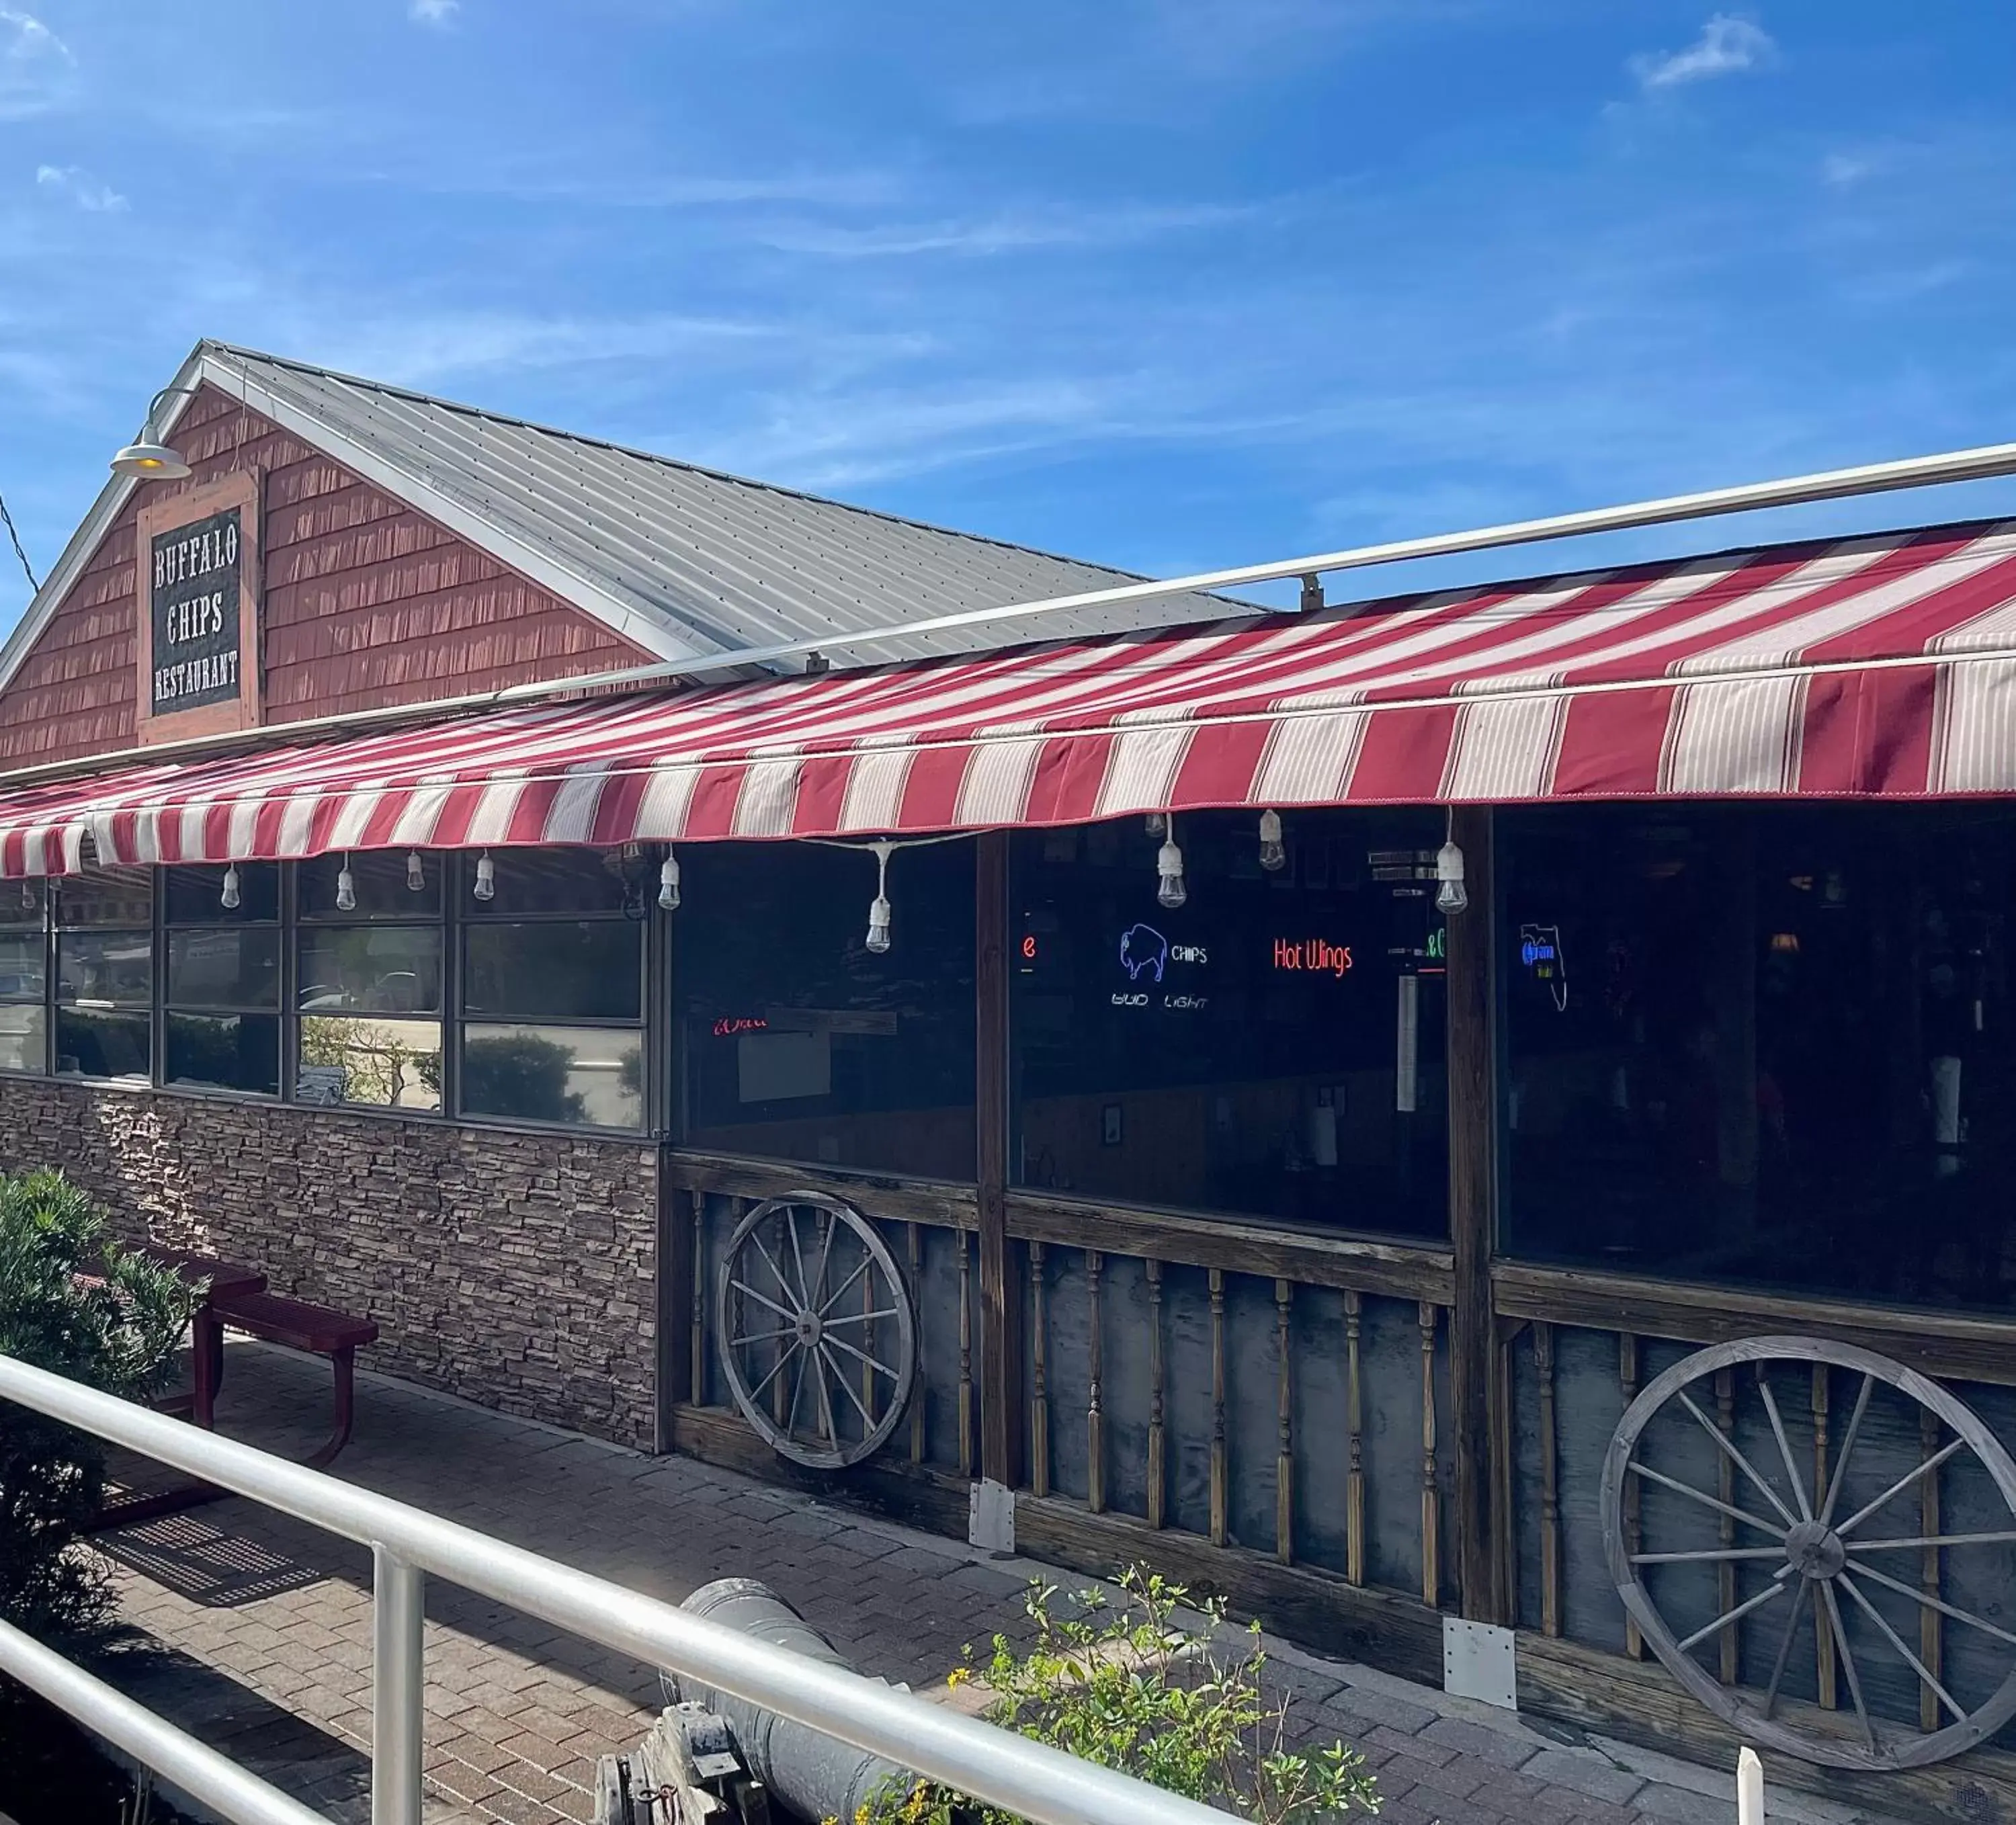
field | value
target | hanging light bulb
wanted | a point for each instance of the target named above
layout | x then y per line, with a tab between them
1273	855
669	882
1169	889
1158	823
28	897
486	877
1452	896
879	909
346	889
231	898
416	873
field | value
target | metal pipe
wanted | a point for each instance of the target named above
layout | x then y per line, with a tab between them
1976	464
398	1688
193	1768
1041	1784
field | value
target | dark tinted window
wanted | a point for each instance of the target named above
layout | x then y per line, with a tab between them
530	881
369	969
1772	1044
577	968
797	1042
226	968
224	1052
106	896
195	896
381	882
1272	1046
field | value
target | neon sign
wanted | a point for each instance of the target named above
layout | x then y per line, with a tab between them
1540	951
1311	953
1029	947
729	1025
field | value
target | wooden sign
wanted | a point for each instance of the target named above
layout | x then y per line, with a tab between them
198	590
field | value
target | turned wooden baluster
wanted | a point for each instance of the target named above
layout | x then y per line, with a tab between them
917	1399
1095	1418
1823	1639
965	1353
1725	1573
1354	1426
1932	1625
699	1297
1431	1556
1157	1462
1039	1402
1284	1457
1220	1495
1627	1381
1550	1504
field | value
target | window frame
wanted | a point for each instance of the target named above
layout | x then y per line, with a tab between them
165	1006
57	928
43	927
651	1124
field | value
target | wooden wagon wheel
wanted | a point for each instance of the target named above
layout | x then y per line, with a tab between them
1811	1552
814	1328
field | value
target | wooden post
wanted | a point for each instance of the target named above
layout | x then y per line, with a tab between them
1001	1409
1474	1388
675	1261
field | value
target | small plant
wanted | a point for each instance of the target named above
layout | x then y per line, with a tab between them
74	1302
1127	1686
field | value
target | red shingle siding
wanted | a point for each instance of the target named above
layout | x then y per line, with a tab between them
366	603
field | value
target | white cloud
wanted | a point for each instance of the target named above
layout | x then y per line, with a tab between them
28	38
1729	45
85	191
436	12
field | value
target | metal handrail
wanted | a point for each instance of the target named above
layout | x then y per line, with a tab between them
1041	1784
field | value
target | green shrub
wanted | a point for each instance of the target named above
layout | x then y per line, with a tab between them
1128	1687
72	1301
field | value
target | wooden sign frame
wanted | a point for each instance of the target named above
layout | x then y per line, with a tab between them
241	489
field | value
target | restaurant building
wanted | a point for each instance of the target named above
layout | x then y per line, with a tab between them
1291	1097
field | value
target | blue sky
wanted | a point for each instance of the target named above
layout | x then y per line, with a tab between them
1171	284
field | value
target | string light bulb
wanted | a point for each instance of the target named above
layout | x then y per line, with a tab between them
28	897
669	882
1452	896
346	889
231	899
416	873
1158	823
1170	891
486	877
1273	853
879	910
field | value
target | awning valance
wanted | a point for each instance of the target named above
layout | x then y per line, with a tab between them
1881	666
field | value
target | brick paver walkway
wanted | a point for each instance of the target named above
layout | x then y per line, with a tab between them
256	1630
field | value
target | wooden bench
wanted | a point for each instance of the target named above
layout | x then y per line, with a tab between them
293	1324
219	1278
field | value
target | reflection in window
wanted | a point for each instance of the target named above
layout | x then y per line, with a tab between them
384	1063
369	970
796	1042
104	975
1272	1046
24	1043
1772	1044
572	1074
221	1021
553	988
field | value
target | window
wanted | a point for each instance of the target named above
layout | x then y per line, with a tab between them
24	977
553	988
221	1019
104	975
367	981
1772	1044
796	1042
1273	1047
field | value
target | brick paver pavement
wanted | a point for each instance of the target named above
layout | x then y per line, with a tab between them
255	1631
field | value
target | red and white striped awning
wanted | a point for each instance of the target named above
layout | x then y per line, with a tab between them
1878	667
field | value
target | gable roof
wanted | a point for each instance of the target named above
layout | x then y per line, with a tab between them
685	562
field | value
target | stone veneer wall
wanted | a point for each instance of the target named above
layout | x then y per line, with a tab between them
513	1269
